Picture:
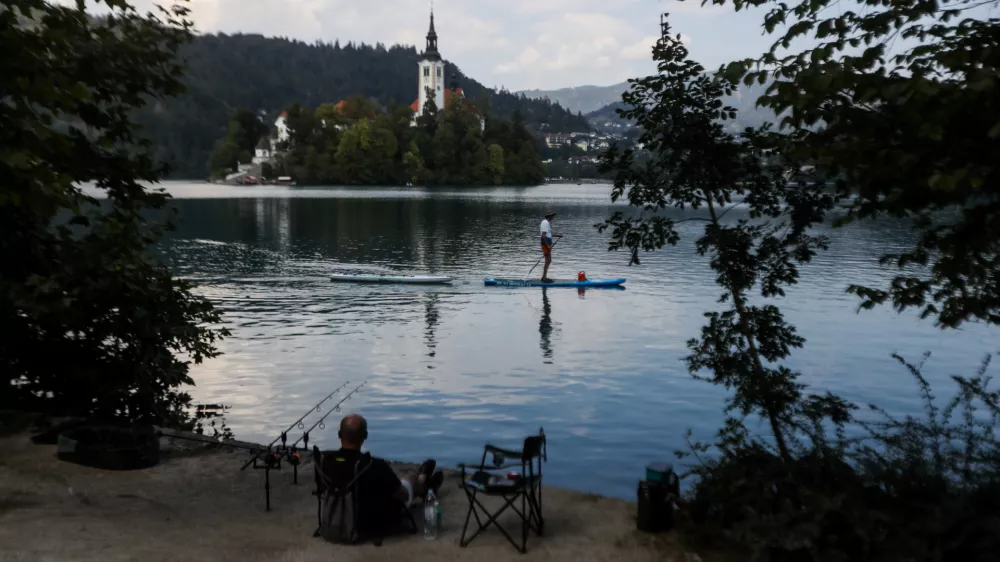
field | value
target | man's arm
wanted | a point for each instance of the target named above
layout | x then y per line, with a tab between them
385	478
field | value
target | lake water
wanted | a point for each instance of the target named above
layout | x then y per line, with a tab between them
450	368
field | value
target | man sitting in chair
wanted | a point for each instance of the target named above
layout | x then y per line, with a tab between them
379	480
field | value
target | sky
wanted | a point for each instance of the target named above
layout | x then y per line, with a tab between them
517	44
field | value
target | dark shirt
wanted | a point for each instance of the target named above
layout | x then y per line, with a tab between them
374	491
379	481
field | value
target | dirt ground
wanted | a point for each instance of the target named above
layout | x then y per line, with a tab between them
197	505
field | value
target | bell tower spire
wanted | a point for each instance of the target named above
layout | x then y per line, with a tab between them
433	73
431	52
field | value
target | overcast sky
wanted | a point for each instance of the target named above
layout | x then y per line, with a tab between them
519	44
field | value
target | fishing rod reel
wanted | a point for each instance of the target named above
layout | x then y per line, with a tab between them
273	455
271	459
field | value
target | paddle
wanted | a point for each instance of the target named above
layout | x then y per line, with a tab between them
543	257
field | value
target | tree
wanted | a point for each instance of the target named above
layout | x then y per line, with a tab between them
899	101
525	165
807	492
496	163
357	107
446	147
697	165
428	119
94	324
445	154
414	163
251	129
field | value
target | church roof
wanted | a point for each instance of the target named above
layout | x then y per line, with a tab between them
263	144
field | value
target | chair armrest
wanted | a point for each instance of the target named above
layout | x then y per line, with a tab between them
488	468
505	452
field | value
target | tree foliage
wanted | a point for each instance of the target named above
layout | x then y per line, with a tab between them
900	100
906	489
380	147
225	72
245	130
93	324
697	165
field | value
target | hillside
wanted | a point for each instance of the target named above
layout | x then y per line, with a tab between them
743	100
582	99
265	75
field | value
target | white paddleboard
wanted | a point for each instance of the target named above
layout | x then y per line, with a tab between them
375	278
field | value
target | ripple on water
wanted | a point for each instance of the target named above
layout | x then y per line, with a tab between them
452	367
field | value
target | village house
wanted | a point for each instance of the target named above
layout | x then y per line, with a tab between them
556	140
262	153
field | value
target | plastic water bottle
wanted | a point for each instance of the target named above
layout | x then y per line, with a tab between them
432	516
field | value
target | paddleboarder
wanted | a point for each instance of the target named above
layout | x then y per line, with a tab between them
547	236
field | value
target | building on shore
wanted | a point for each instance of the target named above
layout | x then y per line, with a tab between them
432	73
262	153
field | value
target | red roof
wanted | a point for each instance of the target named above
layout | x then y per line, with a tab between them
449	97
284	114
340	104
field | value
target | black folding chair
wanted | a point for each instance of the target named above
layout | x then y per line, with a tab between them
377	517
527	488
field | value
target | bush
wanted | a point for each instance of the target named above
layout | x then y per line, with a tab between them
910	489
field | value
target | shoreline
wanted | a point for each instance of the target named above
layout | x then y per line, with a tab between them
198	501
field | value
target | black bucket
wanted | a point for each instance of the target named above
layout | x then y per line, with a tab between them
109	447
656	506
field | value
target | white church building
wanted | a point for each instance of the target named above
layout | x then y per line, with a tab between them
431	77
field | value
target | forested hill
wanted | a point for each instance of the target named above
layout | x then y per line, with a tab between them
263	74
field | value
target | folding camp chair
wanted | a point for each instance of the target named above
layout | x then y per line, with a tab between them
527	488
376	518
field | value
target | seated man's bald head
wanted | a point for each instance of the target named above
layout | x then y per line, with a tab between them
353	431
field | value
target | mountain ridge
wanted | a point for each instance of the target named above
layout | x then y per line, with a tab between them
607	98
584	99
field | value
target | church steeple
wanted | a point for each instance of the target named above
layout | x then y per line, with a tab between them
431	52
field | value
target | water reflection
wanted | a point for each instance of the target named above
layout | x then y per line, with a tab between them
545	327
457	364
432	317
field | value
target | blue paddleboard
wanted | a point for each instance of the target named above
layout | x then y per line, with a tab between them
492	282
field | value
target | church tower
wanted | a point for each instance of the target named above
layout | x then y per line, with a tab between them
432	72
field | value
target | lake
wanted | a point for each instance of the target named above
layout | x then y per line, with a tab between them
450	368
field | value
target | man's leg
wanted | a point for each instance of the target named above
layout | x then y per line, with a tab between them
415	486
548	260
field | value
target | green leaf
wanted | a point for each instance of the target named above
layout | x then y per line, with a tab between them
994	132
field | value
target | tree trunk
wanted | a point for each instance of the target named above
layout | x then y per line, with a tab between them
758	365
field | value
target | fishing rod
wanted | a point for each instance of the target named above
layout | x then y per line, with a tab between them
319	423
297	422
271	458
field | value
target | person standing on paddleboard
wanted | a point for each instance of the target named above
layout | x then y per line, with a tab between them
547	236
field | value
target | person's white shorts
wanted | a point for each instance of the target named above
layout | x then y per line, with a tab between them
409	492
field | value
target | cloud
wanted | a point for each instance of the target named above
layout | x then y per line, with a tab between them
641	50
